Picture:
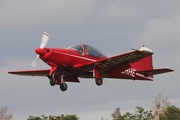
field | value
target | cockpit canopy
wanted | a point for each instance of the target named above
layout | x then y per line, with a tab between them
87	50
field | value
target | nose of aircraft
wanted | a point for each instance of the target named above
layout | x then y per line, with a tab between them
40	51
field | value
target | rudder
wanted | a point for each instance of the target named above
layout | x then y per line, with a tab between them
143	64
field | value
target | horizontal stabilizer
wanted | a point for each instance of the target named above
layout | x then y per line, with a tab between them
155	71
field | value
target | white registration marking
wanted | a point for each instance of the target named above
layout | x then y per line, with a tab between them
118	60
130	71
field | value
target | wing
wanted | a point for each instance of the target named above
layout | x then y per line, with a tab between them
121	59
68	78
107	63
31	72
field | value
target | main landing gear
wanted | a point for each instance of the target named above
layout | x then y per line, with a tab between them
98	81
97	76
62	85
52	80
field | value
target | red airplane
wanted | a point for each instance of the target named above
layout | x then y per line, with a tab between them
84	61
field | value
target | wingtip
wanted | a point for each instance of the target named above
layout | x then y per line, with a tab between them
170	70
10	72
143	48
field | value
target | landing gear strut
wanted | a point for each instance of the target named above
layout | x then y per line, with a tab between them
63	86
57	80
97	76
52	80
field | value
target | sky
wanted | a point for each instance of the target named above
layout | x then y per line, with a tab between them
113	27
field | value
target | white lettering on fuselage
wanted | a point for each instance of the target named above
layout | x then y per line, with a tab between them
118	60
130	71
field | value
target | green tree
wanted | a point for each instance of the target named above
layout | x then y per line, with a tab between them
171	113
34	118
70	117
140	114
117	114
50	117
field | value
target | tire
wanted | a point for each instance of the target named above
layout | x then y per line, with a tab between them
63	86
52	82
98	81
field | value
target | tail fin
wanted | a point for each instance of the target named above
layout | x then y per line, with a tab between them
143	64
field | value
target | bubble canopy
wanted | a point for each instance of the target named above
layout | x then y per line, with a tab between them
87	50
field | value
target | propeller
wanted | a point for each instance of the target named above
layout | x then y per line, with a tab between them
44	41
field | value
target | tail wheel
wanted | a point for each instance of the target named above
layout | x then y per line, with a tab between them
63	86
98	81
52	81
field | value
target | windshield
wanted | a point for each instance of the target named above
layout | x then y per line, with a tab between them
93	51
78	48
88	50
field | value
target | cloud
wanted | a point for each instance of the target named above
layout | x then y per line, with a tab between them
36	13
111	26
33	14
119	11
162	32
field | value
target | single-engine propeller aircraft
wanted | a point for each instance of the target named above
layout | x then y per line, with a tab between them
84	61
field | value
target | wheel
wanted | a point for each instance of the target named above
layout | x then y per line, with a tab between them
63	86
98	81
52	81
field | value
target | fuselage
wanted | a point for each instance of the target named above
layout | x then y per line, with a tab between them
78	55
